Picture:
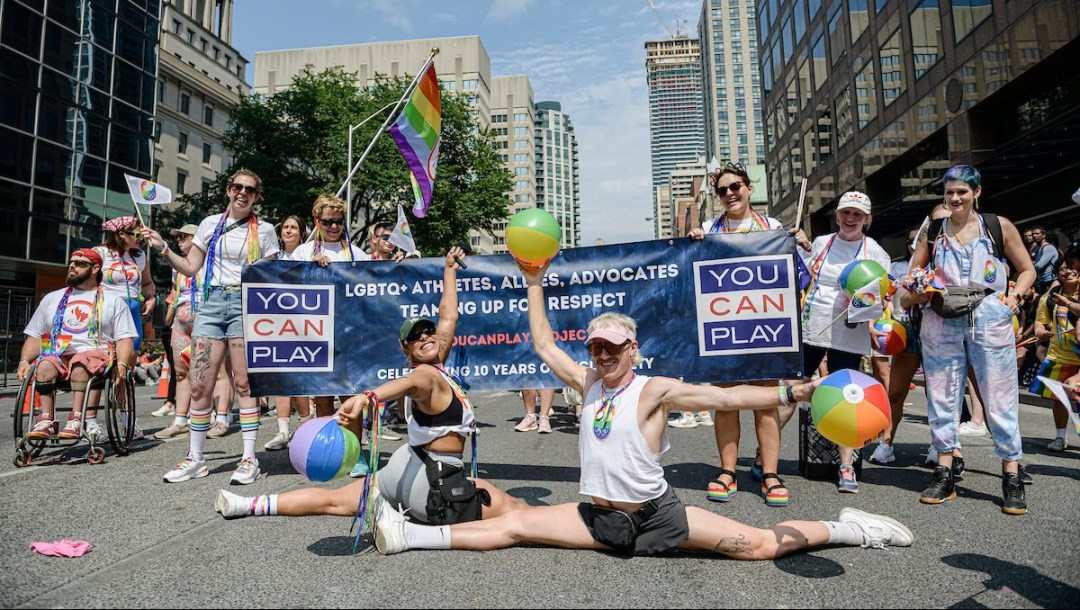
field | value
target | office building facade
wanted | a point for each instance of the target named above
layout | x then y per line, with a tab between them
557	187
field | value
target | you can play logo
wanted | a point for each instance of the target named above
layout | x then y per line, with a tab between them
289	329
746	305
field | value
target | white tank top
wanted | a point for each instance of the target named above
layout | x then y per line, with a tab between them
620	467
457	418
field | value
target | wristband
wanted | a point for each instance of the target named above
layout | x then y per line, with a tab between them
123	364
791	394
164	249
785	400
24	360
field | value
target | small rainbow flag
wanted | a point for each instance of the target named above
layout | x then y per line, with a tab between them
416	132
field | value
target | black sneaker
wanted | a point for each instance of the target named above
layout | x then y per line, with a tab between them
1025	477
943	488
958	468
1012	490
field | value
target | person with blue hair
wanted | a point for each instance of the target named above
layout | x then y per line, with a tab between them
971	324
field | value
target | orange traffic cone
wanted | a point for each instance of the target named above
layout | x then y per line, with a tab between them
163	381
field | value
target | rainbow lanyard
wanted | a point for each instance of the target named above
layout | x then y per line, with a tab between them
815	271
54	347
602	422
346	248
252	241
758	223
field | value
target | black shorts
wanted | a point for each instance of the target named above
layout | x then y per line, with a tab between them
663	531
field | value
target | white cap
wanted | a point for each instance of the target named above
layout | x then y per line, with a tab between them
854	199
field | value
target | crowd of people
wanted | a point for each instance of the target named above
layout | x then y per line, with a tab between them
980	334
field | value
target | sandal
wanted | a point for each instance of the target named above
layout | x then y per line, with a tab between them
775	495
757	471
728	489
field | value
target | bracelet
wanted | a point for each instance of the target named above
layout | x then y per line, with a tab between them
24	360
373	399
784	395
164	249
791	394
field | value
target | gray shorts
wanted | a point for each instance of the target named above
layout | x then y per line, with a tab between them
403	481
665	530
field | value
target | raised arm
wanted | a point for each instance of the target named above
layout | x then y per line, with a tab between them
448	305
543	337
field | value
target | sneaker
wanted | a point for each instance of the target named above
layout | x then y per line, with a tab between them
878	531
1012	491
98	434
361	469
1057	445
389	529
232	506
247	470
42	429
943	488
72	429
279	442
218	429
847	483
1025	477
883	454
971	429
387	434
958	468
188	468
165	410
137	433
544	427
685	420
172	430
703	418
528	423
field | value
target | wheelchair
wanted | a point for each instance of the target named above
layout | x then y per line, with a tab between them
27	409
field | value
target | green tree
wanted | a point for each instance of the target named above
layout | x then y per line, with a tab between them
297	142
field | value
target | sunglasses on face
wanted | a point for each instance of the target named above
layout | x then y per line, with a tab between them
80	264
383	237
331	222
419	331
734	187
597	347
236	187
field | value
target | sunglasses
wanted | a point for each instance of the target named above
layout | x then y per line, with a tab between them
331	222
419	331
135	234
384	237
236	188
597	347
734	187
80	264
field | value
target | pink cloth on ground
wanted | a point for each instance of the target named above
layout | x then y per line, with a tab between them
63	548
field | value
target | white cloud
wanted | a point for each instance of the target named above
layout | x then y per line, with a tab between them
507	10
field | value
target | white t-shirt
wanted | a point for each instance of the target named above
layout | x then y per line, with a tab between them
744	225
232	249
827	300
121	275
74	337
332	249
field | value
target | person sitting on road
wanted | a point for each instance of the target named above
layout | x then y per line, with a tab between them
633	509
148	367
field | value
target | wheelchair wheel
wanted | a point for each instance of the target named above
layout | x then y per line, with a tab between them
95	455
25	406
120	431
22	458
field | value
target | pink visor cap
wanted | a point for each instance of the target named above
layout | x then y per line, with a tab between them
615	335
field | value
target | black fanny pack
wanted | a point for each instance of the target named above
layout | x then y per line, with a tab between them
958	302
615	528
452	497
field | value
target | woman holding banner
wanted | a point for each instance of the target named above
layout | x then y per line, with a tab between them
731	184
824	333
440	420
226	243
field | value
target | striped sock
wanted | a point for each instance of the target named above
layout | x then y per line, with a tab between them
249	426
199	424
264	505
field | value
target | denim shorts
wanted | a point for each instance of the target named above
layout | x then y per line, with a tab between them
220	316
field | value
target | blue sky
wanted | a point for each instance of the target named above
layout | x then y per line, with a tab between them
587	54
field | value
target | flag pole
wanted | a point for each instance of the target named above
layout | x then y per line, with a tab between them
389	119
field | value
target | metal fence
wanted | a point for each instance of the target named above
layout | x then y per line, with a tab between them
16	308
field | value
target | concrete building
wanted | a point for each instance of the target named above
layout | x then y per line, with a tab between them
676	115
200	80
557	178
686	196
513	117
884	96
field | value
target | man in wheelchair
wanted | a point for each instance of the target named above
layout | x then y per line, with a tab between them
72	336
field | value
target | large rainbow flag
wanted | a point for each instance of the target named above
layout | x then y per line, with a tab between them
416	132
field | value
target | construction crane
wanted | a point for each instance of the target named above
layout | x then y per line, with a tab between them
680	24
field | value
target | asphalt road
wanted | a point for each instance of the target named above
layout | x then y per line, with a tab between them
159	545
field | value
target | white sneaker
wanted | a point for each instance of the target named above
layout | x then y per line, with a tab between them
878	531
883	454
232	506
388	434
137	433
188	468
685	420
247	470
98	434
279	442
704	418
969	429
389	529
164	411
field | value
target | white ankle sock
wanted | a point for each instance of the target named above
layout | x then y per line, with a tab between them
180	420
844	533
223	418
283	425
249	443
427	536
90	422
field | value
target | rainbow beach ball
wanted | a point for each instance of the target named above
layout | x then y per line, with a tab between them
894	340
532	236
322	450
850	408
860	273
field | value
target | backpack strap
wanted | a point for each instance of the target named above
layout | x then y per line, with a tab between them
993	228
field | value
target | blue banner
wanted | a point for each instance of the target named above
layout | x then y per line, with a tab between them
707	311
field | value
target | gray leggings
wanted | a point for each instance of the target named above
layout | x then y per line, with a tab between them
403	481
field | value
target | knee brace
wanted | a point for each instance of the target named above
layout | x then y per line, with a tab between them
78	386
45	387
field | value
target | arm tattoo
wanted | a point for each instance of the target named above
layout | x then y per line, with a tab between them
737	545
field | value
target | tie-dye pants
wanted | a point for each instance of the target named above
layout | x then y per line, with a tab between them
988	346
